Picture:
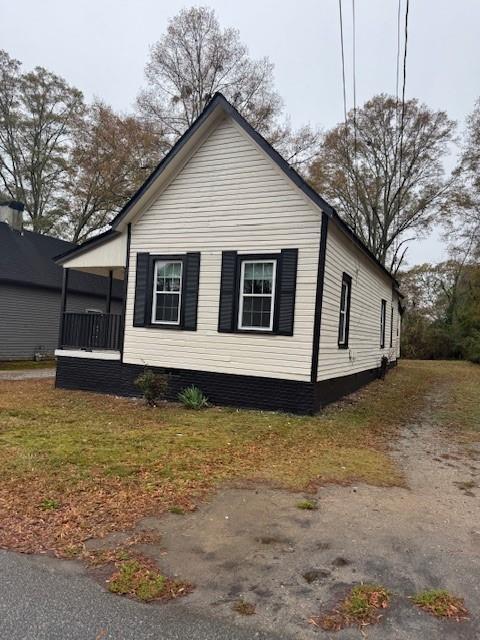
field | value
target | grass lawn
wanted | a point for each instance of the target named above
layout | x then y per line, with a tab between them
14	365
75	465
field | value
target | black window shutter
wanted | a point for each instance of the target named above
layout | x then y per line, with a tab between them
141	290
190	301
286	292
226	320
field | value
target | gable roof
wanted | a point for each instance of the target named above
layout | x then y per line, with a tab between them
27	259
219	104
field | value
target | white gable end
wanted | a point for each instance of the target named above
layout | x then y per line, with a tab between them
228	196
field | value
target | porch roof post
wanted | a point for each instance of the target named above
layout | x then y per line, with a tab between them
63	306
108	304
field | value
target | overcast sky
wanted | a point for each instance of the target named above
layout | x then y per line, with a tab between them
101	47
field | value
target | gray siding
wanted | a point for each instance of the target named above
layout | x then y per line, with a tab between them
29	319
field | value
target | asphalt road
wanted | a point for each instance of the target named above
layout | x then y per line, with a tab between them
44	599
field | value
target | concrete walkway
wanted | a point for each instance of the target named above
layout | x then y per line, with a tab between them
25	374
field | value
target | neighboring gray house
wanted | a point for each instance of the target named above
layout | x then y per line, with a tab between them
31	286
240	279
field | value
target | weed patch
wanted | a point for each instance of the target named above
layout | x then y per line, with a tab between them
141	581
361	607
307	505
244	608
441	604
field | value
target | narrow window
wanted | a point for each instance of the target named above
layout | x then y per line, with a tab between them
383	316
167	292
391	329
257	294
344	320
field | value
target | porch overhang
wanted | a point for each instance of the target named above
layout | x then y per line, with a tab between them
103	255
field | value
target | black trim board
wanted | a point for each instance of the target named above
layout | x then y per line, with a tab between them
125	288
255	392
322	252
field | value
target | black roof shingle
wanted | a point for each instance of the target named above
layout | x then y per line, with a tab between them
26	258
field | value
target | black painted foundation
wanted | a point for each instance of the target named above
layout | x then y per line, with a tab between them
117	378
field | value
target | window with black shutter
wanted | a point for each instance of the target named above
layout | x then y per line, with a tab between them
383	318
344	319
391	328
257	292
166	291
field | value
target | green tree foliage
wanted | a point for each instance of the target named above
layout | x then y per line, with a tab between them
442	318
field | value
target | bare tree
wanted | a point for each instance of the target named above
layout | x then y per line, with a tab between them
196	58
110	158
383	170
38	111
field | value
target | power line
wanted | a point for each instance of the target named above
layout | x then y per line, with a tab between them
402	115
343	62
354	65
398	48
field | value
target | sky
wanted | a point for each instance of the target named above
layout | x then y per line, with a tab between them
101	47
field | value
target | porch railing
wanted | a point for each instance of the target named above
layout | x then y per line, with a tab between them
91	331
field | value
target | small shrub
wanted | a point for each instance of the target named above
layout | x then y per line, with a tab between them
193	398
153	386
49	504
308	505
441	604
244	608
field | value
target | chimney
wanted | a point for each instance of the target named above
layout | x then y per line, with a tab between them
11	212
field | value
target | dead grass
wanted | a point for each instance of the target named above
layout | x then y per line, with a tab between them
100	463
361	607
459	411
441	604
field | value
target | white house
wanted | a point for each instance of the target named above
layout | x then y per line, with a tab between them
239	278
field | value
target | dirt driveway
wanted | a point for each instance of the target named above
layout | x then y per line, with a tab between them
256	544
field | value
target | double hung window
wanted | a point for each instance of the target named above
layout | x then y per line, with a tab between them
257	295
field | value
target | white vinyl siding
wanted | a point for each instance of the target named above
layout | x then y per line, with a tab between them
369	286
229	196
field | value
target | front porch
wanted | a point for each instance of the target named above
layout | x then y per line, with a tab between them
95	333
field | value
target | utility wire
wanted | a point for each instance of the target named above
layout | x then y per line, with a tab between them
398	49
354	111
343	62
402	116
